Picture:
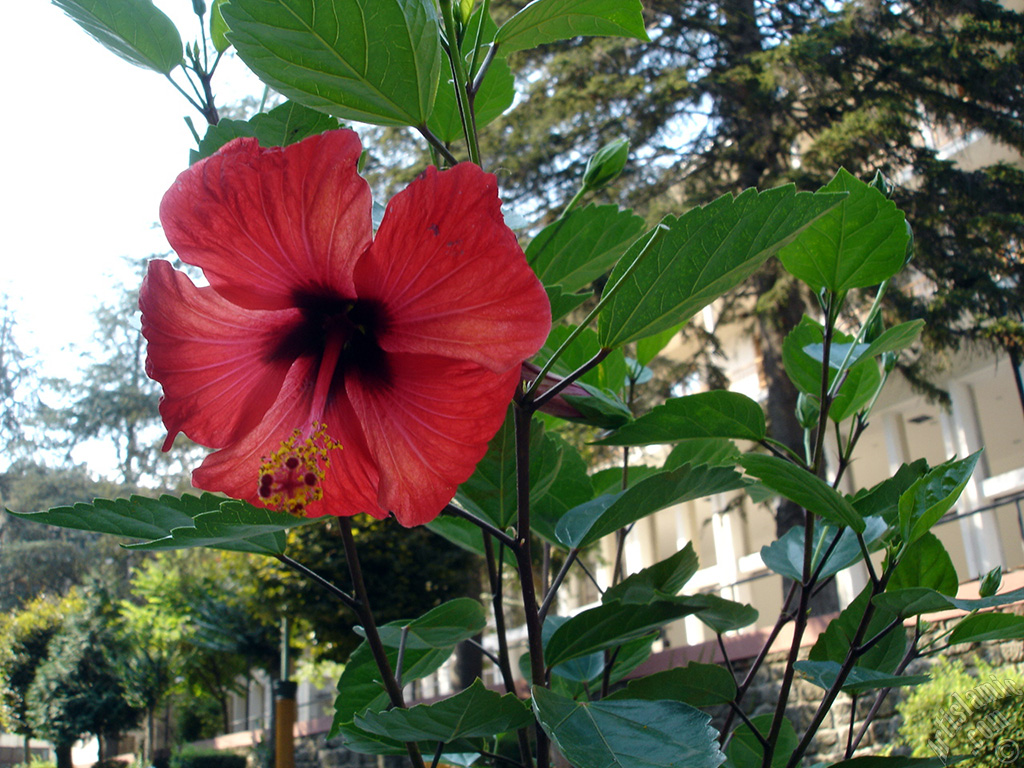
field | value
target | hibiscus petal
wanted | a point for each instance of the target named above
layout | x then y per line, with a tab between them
428	430
216	361
265	224
450	275
351	477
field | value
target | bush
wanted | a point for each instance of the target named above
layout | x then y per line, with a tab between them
207	758
956	713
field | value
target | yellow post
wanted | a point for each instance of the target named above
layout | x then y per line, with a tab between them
284	733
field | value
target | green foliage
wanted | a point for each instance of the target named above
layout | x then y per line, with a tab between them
690	261
789	80
284	124
629	734
77	690
408	571
192	757
306	51
136	30
25	643
544	21
957	713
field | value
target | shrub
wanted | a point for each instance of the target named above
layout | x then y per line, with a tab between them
207	758
957	713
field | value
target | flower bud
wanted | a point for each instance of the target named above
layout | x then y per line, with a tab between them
199	6
606	164
558	405
882	184
807	411
990	583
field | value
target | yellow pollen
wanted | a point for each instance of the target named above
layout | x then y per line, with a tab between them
291	478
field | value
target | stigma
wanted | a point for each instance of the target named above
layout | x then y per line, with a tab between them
291	478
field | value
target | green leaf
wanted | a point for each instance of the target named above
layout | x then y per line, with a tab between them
924	503
609	374
441	627
804	370
785	556
218	27
718	413
883	499
835	642
179	523
235	526
648	347
700	256
607	626
918	600
860	243
588	668
587	523
476	711
806	489
862	384
696	684
667	577
545	21
284	124
628	733
358	740
745	750
136	517
860	680
895	339
983	627
719	614
375	61
600	408
136	30
570	488
716	451
465	534
360	688
926	564
490	491
575	250
563	302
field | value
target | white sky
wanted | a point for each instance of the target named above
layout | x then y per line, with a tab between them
90	144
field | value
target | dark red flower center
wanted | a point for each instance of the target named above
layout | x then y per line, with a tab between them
336	326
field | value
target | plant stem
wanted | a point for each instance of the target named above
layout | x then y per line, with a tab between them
504	663
370	627
461	81
494	531
569	560
346	598
524	563
437	144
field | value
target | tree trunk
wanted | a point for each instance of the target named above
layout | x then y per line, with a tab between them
63	752
773	323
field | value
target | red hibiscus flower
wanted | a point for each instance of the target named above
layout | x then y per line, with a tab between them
336	372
